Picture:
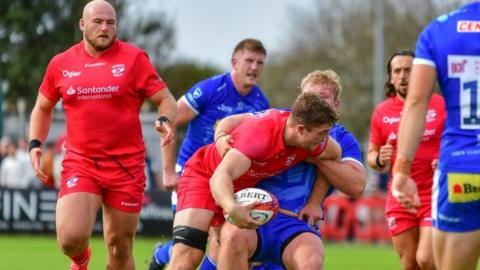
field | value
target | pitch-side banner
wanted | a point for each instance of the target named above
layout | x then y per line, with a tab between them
33	211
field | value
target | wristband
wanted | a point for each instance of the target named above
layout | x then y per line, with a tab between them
34	143
377	161
163	119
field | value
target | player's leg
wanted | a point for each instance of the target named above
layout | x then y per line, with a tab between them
190	233
236	247
119	232
405	244
209	262
404	230
75	217
77	206
425	249
456	220
456	251
163	251
304	252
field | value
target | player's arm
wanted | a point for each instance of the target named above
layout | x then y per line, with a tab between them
347	176
332	151
223	130
169	176
422	80
379	157
40	121
233	165
167	107
312	211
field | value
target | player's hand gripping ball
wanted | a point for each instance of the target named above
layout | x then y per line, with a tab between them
263	212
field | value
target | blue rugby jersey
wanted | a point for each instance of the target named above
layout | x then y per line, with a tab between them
450	44
213	99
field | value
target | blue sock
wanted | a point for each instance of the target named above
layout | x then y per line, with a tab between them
208	264
162	254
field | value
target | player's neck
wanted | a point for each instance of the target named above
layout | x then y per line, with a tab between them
241	88
90	50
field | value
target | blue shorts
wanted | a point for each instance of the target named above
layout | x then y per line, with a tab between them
268	266
456	201
274	237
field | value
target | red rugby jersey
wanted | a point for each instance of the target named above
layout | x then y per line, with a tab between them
384	127
101	97
260	138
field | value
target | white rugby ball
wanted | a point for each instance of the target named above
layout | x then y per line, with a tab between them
263	212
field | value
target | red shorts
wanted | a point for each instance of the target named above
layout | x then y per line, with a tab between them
120	180
194	192
400	220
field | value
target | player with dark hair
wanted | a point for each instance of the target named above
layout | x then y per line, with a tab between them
102	82
448	50
202	107
411	232
264	145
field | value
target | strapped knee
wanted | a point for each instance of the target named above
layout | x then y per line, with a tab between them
190	236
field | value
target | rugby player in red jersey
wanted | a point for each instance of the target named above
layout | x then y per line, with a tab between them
102	82
411	232
265	144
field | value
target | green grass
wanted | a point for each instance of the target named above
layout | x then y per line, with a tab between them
22	252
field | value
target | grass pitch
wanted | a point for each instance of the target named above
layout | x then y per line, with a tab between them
22	252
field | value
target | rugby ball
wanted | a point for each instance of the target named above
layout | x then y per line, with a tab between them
263	212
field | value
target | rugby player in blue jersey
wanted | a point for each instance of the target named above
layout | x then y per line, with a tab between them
291	240
206	103
448	50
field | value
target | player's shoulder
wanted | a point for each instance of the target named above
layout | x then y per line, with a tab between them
437	97
217	83
340	132
68	54
386	104
452	17
127	49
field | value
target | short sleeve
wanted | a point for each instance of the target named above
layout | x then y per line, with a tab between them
198	97
376	129
148	80
350	148
48	86
424	50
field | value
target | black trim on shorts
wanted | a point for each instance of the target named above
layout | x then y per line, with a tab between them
257	250
290	239
123	168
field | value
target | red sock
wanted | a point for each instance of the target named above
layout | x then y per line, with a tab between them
82	258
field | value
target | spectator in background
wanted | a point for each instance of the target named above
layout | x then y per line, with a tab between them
10	169
411	232
27	174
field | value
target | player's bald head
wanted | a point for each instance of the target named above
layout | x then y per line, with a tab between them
96	7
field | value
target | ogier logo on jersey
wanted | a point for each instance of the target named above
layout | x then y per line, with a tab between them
71	74
463	187
118	70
